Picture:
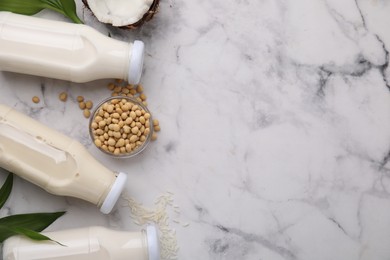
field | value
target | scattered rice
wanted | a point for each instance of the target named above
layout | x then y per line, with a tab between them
159	217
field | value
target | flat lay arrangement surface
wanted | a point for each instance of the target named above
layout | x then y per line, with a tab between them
264	128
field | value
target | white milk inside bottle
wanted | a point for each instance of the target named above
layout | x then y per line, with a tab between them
67	51
55	162
92	243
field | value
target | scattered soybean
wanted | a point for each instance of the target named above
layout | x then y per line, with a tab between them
63	96
36	99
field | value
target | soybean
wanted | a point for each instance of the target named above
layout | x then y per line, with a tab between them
88	104
87	113
36	99
63	96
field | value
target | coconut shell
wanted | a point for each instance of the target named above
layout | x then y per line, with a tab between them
145	18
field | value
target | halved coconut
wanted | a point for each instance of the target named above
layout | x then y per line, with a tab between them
128	14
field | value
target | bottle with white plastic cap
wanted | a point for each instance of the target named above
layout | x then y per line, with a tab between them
66	51
55	162
97	243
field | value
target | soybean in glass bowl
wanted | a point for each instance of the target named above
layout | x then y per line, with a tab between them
121	126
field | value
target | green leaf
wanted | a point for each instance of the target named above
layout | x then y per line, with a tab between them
30	234
33	235
35	221
30	7
69	8
27	7
5	190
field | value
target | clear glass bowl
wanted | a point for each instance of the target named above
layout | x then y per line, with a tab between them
133	152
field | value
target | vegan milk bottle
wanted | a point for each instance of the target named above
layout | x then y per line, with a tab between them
92	243
55	162
67	51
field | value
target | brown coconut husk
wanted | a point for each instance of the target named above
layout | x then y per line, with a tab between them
147	16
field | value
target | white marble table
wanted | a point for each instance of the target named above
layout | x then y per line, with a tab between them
275	136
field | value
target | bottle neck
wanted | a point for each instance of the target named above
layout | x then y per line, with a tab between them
111	59
93	181
121	244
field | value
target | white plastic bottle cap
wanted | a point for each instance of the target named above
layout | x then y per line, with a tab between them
153	243
136	62
114	193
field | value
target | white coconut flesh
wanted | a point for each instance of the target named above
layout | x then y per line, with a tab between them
119	12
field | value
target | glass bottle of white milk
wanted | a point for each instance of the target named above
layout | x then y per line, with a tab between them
55	162
66	51
97	243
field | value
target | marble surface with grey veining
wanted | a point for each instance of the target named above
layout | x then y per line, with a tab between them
275	118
